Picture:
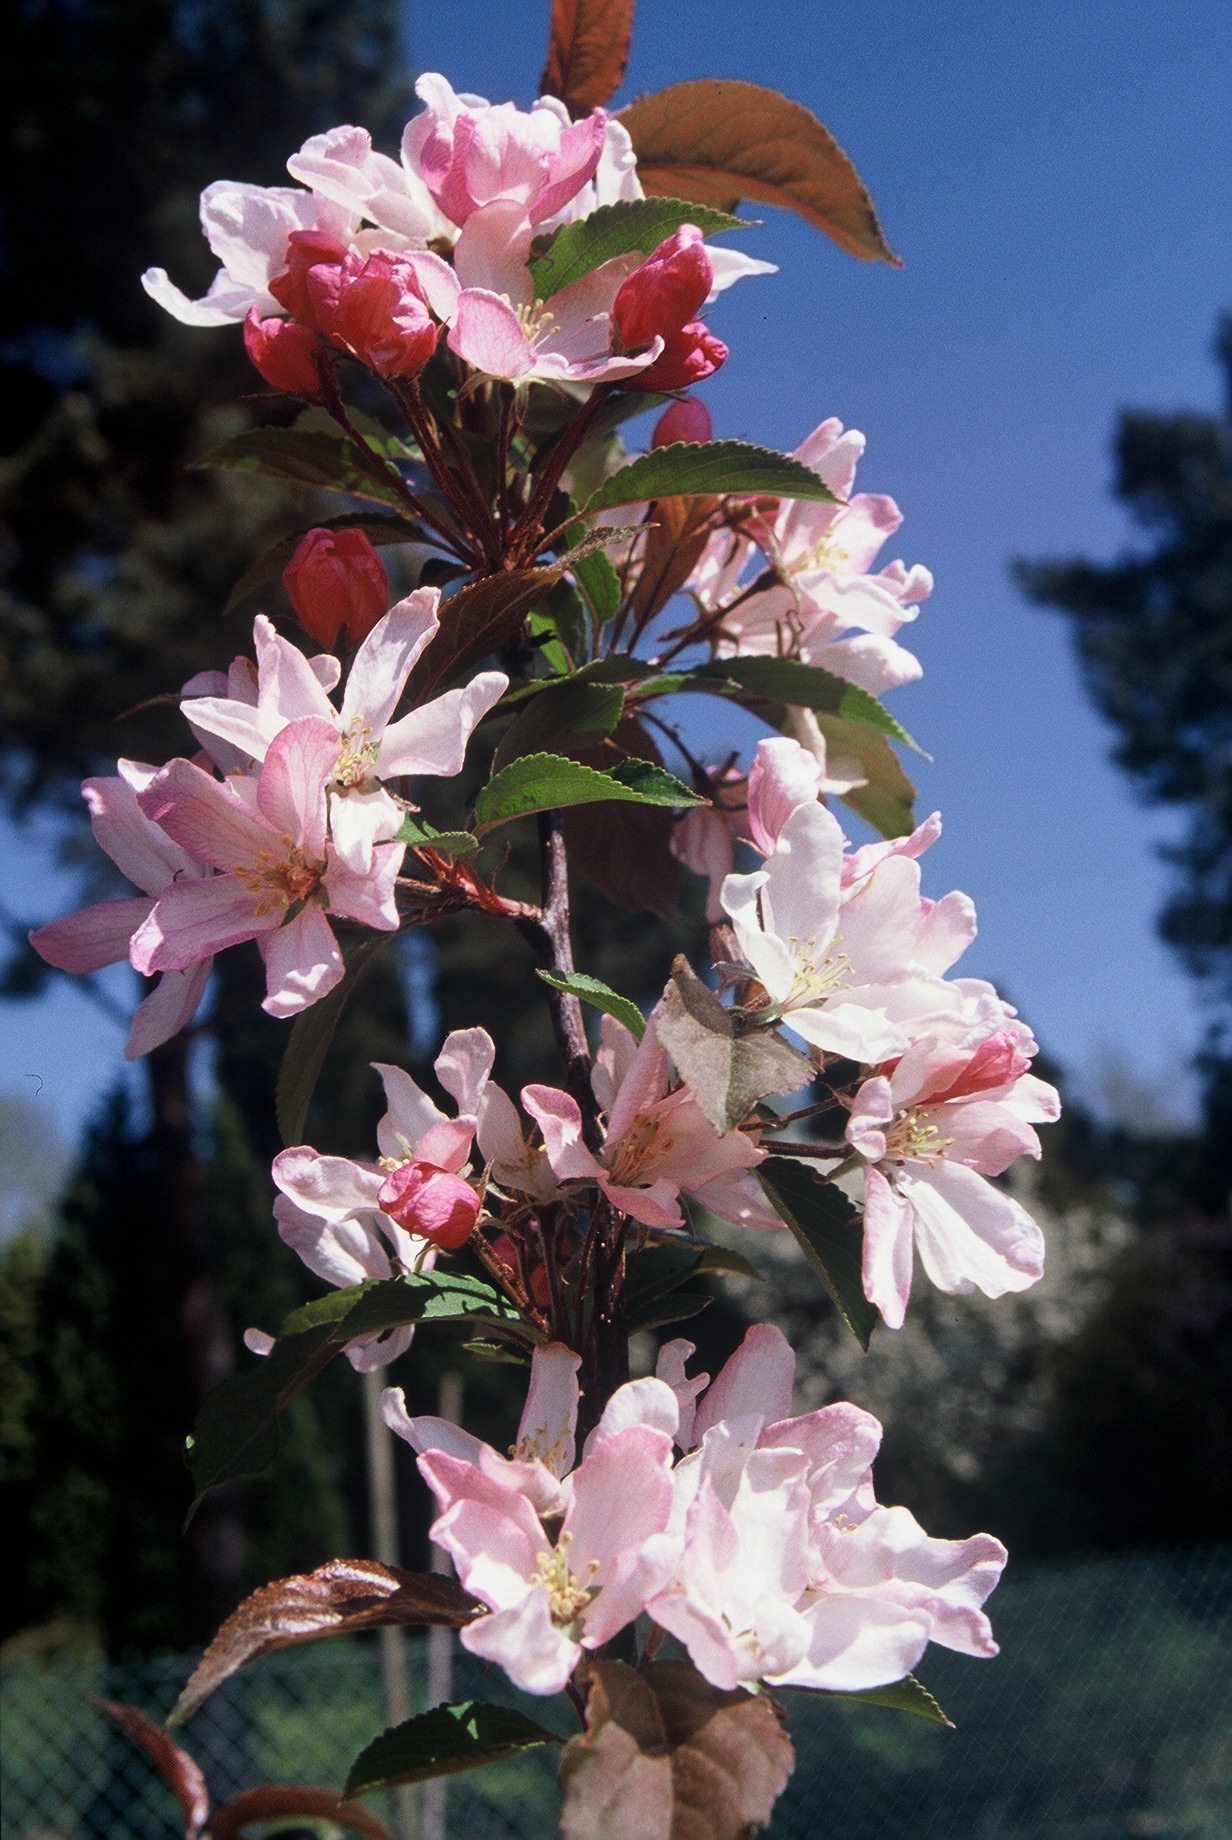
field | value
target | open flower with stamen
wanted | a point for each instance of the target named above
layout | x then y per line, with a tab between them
341	1216
823	602
371	746
931	1129
658	1143
789	1569
565	1557
846	968
279	874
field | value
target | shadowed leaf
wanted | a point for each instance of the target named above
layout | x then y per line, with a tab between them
908	1695
666	1756
830	1233
727	1069
625	851
444	1742
237	1429
697	467
308	1044
478	619
283	1802
571	708
177	1769
303	458
338	1598
587	52
721	141
635	224
789	680
887	801
678	530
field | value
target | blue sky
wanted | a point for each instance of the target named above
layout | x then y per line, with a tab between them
1057	175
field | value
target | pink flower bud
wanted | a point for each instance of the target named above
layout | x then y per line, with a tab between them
336	579
376	310
686	420
306	250
431	1202
284	353
661	300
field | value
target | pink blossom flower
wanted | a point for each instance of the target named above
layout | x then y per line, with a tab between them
371	747
102	933
931	1129
554	1590
823	556
789	1570
658	1143
567	339
332	1210
273	856
287	356
846	968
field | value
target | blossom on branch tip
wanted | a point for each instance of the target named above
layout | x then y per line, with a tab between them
658	1144
287	355
930	1129
660	301
278	872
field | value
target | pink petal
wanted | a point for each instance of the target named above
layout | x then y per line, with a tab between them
560	1120
549	1417
488	334
433	739
384	661
192	920
758	1379
299	764
92	937
302	962
887	1255
170	1006
211	820
332	1187
143	852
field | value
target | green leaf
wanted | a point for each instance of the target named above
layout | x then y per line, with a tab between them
560	629
642	224
566	711
600	996
909	1695
656	1272
444	1742
237	1431
887	802
722	1258
450	843
788	680
830	1233
549	782
306	459
710	467
596	576
308	1044
267	569
480	617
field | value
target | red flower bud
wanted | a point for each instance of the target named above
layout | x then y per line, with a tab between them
432	1202
336	579
306	250
375	309
284	353
661	300
686	420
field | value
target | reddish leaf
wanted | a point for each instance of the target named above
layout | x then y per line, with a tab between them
587	52
720	141
339	1597
277	1801
478	619
666	1756
678	531
177	1769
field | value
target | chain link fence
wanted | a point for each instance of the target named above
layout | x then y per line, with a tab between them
1107	1717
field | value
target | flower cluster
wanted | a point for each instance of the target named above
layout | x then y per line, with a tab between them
762	1549
352	263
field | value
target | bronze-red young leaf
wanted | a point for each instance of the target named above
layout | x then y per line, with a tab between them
340	1597
178	1770
718	141
587	52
